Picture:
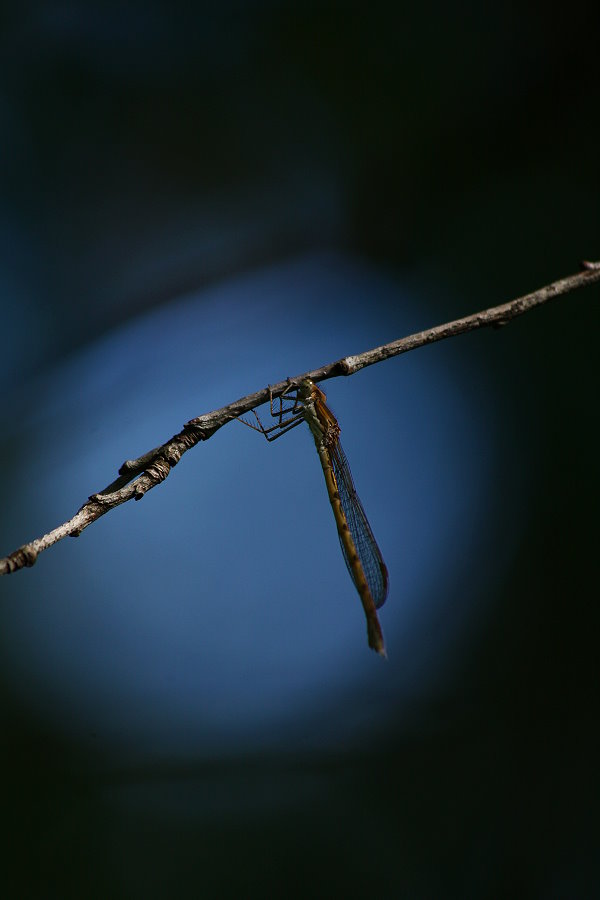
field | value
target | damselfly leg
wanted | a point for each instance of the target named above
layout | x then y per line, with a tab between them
287	416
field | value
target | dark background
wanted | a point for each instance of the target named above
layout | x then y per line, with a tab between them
149	152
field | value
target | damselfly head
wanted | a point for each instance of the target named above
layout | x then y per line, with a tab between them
316	393
308	390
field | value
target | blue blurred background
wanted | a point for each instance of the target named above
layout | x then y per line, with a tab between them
195	205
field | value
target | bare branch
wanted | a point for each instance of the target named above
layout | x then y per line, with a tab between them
153	467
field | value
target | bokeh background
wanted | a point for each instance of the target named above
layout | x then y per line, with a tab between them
195	204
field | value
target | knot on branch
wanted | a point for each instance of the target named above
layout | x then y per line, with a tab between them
501	320
199	426
202	428
128	466
159	470
22	558
345	366
155	473
173	454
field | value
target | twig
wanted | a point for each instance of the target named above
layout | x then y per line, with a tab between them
153	467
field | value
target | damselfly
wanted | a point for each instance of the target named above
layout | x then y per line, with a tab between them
361	553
